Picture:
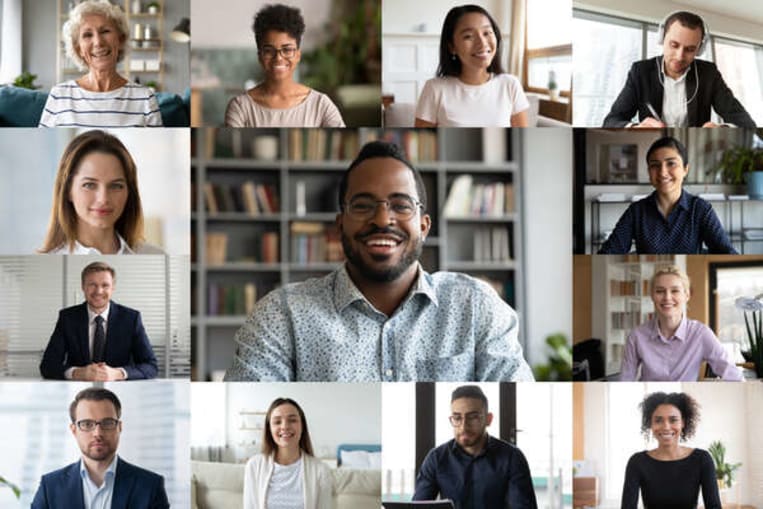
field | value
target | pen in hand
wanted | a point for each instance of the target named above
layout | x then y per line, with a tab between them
653	111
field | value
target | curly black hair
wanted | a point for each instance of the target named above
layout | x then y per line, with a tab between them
280	18
685	404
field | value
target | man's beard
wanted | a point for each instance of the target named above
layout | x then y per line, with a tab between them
388	274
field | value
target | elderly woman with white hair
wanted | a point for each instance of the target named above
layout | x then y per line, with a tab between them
95	36
671	347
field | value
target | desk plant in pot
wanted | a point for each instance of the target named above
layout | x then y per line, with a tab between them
753	321
744	165
724	472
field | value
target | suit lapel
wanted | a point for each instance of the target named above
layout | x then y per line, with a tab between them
83	334
123	484
73	486
657	89
692	108
112	343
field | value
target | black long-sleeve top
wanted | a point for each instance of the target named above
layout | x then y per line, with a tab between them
671	484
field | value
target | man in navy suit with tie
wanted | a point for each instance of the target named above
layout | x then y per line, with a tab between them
100	478
98	340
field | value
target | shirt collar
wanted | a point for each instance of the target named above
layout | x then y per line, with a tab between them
345	291
683	200
680	333
92	314
680	79
111	471
80	249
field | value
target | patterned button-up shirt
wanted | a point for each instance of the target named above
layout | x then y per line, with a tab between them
450	327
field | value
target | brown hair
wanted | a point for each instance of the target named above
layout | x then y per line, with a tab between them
95	394
62	228
268	444
98	267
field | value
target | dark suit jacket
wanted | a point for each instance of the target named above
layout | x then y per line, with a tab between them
643	85
134	488
127	345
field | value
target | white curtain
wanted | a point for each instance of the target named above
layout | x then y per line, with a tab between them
10	40
518	37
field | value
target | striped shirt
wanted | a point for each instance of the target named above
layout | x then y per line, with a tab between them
131	105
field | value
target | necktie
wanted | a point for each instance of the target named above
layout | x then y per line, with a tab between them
99	340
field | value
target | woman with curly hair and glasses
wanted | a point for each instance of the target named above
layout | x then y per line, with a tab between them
286	474
279	101
672	474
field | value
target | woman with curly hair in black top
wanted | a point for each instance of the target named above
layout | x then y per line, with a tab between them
671	475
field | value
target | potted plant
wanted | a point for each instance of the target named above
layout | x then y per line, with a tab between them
553	88
724	472
742	165
13	487
754	325
153	8
26	80
559	366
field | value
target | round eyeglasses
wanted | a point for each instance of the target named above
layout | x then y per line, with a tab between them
470	419
107	424
403	207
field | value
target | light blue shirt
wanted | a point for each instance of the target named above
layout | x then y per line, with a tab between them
450	327
95	497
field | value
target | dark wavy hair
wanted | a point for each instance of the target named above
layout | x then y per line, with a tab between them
382	149
268	444
685	404
669	142
280	18
450	66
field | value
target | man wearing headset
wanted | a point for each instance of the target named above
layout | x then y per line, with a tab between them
674	89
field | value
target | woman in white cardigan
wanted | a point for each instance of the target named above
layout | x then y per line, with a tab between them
286	475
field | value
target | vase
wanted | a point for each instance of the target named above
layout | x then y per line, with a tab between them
755	184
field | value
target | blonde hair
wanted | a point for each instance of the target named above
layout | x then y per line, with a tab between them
672	270
62	228
70	31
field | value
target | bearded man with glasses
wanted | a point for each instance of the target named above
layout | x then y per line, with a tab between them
475	470
380	316
100	479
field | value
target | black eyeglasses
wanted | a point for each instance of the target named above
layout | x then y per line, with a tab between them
271	52
403	207
470	419
107	424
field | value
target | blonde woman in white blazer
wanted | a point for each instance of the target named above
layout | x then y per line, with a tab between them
286	474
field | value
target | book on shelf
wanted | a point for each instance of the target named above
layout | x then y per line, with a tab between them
417	144
216	248
492	244
467	199
315	243
247	197
323	144
269	247
230	299
627	320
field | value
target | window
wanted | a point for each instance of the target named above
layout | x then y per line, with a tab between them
549	47
728	282
741	65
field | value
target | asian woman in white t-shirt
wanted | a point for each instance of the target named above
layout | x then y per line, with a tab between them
471	89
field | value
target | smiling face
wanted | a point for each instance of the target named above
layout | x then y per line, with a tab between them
98	287
99	42
99	191
679	48
667	171
470	412
97	444
667	425
474	42
382	247
669	296
286	426
276	66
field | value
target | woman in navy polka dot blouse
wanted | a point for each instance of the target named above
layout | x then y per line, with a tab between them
670	220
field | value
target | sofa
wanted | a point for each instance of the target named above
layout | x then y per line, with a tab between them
221	486
21	107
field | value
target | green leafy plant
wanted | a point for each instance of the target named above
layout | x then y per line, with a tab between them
13	487
724	472
754	324
552	81
559	366
737	162
26	80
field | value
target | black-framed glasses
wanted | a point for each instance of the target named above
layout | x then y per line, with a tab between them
470	419
107	424
271	52
403	207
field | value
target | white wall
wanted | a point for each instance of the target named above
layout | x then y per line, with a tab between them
228	23
426	16
656	10
547	198
336	413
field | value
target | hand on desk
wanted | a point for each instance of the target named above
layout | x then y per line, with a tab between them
650	123
98	372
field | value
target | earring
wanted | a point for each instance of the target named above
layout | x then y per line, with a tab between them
453	57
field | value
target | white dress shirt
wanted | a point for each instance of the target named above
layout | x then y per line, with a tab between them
123	249
91	335
98	497
674	106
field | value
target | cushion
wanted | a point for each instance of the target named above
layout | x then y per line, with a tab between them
21	107
363	460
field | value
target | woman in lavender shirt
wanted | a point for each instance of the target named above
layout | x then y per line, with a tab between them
670	346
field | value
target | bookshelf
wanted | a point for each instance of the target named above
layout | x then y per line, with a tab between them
301	169
621	299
